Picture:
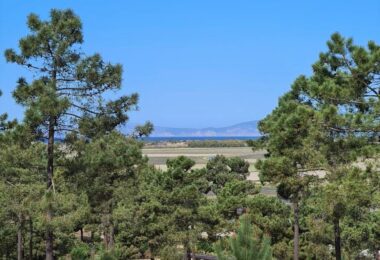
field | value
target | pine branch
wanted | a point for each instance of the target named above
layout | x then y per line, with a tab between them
84	109
73	115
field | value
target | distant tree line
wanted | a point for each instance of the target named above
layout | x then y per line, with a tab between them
216	143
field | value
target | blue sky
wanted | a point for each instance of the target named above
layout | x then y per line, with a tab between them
199	63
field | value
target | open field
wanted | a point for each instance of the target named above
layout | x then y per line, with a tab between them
158	156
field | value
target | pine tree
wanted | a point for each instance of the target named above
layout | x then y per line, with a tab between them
20	185
292	145
346	206
66	93
272	216
245	246
326	121
219	170
344	93
102	169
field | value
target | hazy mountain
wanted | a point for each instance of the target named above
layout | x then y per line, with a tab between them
242	129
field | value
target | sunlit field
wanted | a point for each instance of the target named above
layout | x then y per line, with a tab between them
158	156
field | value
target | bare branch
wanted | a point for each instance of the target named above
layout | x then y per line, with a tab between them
73	115
66	80
84	109
62	129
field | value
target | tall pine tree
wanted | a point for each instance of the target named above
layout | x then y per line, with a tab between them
327	120
66	93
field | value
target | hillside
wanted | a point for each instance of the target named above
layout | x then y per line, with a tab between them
241	129
238	130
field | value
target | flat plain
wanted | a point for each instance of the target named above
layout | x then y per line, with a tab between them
158	156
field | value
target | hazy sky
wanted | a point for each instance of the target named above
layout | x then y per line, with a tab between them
199	63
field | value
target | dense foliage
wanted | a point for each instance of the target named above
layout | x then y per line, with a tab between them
245	246
327	126
94	195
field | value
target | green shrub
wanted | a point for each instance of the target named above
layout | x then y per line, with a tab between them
108	256
80	252
245	246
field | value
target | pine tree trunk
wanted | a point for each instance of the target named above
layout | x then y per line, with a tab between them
20	250
296	230
188	254
338	255
111	236
50	164
81	234
30	238
105	232
92	252
92	249
108	233
105	239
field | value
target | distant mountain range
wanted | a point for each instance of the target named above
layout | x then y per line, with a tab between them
242	129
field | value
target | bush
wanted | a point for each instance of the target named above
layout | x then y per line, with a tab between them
245	246
80	252
108	256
